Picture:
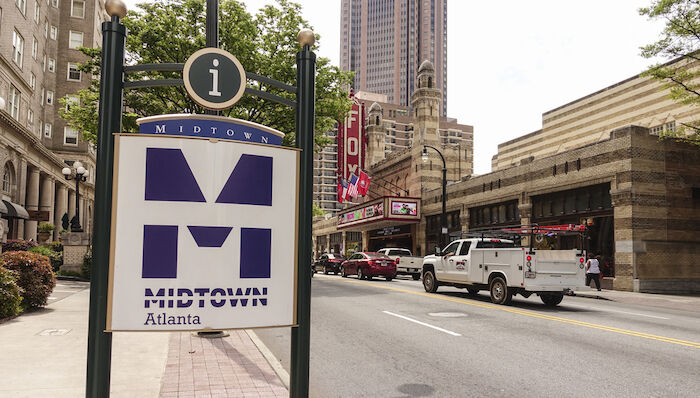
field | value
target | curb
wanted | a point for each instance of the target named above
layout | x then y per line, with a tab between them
270	357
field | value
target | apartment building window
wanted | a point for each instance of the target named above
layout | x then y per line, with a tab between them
70	136
54	3
48	130
657	129
40	128
70	101
30	117
52	65
73	72
14	102
32	81
75	40
35	48
37	11
46	28
671	126
49	98
77	9
22	5
17	48
41	100
54	32
43	62
7	178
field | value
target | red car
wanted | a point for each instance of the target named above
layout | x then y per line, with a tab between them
368	264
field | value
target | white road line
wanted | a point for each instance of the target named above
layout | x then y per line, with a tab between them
619	312
422	323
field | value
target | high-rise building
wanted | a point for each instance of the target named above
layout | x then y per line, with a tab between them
384	42
39	59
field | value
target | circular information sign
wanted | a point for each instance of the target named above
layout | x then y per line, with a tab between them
214	78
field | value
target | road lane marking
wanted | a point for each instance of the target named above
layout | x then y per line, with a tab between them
619	312
525	313
422	323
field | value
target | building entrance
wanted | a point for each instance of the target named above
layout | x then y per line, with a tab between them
395	236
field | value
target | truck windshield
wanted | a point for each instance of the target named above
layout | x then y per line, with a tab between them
399	252
494	245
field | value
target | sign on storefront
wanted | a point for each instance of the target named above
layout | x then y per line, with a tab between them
204	234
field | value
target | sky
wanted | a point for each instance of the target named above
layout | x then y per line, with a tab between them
510	61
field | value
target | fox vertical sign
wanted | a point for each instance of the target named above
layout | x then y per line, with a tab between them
351	141
204	234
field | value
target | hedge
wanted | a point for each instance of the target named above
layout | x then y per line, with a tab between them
36	278
10	293
14	245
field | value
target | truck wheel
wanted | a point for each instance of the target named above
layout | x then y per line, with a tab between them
343	273
499	291
551	299
472	291
360	275
415	277
430	284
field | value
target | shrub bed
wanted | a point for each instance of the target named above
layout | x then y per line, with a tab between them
10	293
35	276
14	245
55	258
87	264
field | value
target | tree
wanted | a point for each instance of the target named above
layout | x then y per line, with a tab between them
169	31
316	210
680	39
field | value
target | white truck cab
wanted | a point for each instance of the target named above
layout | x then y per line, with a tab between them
503	268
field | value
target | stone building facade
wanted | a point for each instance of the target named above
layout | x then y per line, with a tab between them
638	195
38	65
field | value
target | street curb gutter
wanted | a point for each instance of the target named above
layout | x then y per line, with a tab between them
270	357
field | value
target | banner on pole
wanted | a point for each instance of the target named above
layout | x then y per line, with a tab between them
351	141
204	234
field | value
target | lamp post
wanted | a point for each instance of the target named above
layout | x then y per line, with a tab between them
78	173
443	216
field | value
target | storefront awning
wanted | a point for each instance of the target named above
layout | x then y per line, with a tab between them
380	213
13	210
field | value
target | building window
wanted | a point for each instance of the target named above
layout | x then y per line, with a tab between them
52	65
54	32
14	102
7	177
49	98
43	62
554	170
70	136
48	130
73	72
30	117
54	3
40	128
76	39
37	11
578	164
77	9
41	100
656	129
46	28
70	101
32	81
22	5
35	47
17	48
671	126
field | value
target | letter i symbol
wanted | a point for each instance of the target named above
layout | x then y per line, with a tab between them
215	79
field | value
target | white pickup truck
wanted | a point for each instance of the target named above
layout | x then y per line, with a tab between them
505	269
406	264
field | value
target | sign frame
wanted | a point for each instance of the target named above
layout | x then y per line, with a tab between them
195	96
113	235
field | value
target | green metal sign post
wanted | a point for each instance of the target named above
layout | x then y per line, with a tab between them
110	113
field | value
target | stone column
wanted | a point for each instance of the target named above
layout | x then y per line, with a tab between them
46	196
61	207
21	194
32	203
71	203
344	244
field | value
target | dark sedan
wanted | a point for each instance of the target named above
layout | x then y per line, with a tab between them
369	264
329	262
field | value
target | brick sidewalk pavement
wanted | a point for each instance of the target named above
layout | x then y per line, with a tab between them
222	367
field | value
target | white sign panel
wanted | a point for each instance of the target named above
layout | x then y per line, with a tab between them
204	234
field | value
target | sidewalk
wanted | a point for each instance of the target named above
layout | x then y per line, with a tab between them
43	353
686	303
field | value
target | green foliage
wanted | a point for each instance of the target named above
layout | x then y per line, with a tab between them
264	43
10	294
55	258
316	211
17	245
69	273
87	264
55	246
679	39
36	278
45	227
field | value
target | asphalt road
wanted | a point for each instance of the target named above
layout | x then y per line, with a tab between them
391	339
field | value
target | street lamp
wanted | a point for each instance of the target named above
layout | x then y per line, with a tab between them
443	216
80	174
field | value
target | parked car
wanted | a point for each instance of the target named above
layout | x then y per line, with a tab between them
329	262
369	264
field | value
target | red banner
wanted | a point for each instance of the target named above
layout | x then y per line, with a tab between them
351	141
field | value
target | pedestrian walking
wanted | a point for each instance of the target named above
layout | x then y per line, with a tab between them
593	270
